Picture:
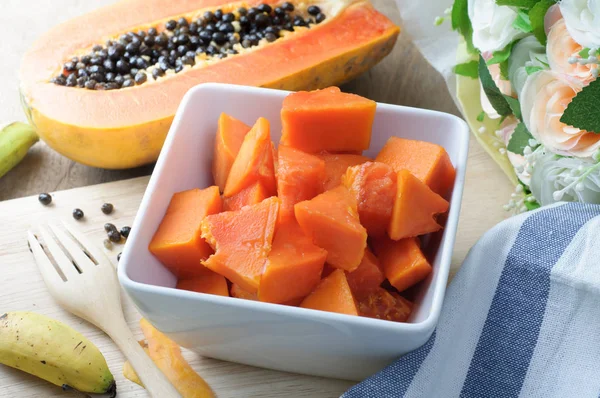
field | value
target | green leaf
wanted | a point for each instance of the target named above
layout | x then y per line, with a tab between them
515	106
522	22
491	90
584	53
536	17
532	69
584	110
501	55
481	116
462	23
517	3
532	205
469	69
519	139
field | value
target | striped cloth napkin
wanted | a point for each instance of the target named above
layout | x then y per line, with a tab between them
520	319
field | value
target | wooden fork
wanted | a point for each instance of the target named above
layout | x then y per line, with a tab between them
84	282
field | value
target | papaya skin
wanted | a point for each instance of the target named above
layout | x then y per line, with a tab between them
73	121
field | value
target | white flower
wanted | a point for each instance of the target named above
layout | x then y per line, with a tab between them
492	25
583	21
528	52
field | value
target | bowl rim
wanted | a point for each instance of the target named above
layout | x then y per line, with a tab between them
427	325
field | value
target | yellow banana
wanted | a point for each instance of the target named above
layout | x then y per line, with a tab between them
54	352
15	140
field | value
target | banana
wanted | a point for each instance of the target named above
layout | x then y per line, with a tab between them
15	140
54	352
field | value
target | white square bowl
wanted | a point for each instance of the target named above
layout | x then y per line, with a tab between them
267	335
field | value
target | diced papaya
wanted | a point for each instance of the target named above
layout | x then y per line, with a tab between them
331	221
327	120
429	162
403	262
238	292
177	243
251	195
415	208
336	165
228	140
254	161
381	304
210	283
373	184
299	177
327	270
367	277
333	294
242	241
293	267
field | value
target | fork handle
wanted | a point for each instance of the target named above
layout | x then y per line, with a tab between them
155	382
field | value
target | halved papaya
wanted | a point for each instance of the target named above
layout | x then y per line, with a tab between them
115	127
228	140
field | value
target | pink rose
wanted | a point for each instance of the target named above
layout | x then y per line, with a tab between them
560	48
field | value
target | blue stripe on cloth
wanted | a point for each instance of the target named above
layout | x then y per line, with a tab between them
511	330
394	380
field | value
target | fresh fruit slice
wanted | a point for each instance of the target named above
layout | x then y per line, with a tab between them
373	184
327	120
415	208
254	162
331	221
293	267
336	165
332	294
210	283
299	177
177	242
242	241
238	292
228	140
15	140
251	195
429	162
404	265
367	277
381	304
126	127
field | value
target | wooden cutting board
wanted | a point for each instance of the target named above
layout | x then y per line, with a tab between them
22	288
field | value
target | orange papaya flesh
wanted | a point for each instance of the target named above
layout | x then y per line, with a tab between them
429	162
336	165
327	120
254	162
238	292
126	128
299	177
332	294
403	262
228	140
367	277
373	184
242	241
293	267
251	195
415	208
210	283
327	270
381	304
331	220
177	243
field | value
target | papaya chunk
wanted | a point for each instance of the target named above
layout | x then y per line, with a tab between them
293	267
332	294
429	162
373	184
251	195
404	265
177	243
367	277
299	177
381	304
238	292
415	208
327	120
210	283
228	140
242	241
331	220
336	165
254	161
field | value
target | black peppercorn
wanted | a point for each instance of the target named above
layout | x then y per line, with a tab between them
107	208
45	199
78	214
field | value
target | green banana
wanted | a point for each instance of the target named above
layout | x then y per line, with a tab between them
54	352
15	140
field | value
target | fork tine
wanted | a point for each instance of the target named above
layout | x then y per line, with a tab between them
60	258
49	273
92	249
82	261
